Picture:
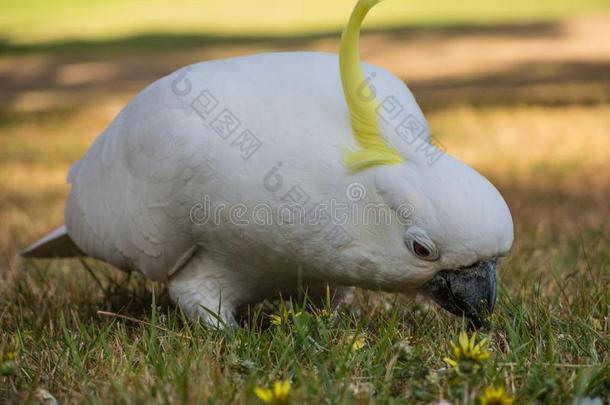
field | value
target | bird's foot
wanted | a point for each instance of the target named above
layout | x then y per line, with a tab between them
203	290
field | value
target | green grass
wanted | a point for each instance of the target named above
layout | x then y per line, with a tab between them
548	341
549	336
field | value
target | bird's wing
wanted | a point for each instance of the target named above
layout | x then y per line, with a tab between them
127	204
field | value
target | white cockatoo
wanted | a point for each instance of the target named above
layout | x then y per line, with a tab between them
234	180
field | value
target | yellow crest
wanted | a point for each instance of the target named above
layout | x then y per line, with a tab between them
374	150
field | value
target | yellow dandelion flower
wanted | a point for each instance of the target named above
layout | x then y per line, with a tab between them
283	317
276	319
280	394
264	394
495	396
8	363
324	315
9	351
358	342
597	324
467	351
281	390
10	356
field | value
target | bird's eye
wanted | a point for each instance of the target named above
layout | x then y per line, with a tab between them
420	244
420	250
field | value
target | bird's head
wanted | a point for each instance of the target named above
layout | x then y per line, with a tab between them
458	226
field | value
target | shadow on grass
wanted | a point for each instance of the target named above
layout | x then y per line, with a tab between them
76	72
540	83
172	41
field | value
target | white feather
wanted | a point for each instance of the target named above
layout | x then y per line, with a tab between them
133	192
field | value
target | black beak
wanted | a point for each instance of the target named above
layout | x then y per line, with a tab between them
469	291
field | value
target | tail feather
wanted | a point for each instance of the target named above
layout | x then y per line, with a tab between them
56	244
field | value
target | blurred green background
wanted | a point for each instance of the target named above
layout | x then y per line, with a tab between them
35	21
